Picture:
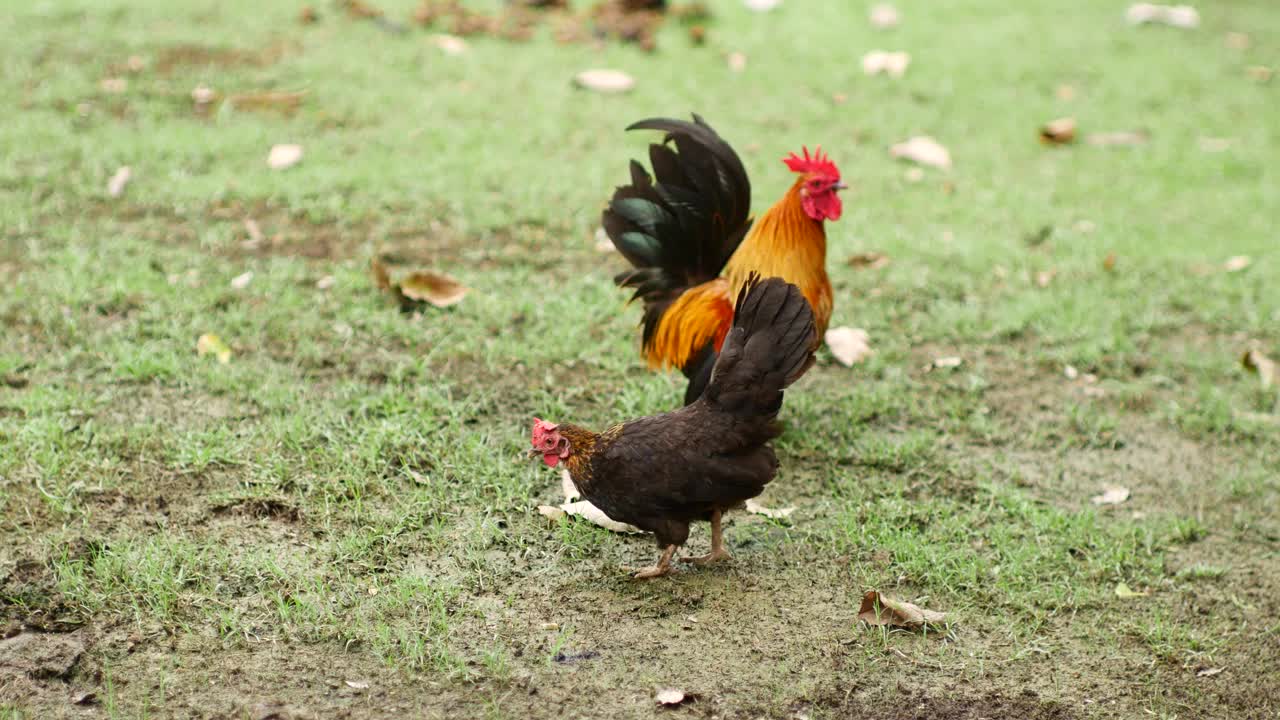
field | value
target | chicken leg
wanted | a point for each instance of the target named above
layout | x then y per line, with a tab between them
718	553
662	568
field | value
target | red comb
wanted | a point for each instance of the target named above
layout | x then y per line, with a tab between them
543	425
817	163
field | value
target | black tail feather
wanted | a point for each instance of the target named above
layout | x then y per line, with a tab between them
679	231
770	346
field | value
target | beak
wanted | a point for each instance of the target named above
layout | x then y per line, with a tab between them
840	186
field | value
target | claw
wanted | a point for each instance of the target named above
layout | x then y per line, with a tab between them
715	556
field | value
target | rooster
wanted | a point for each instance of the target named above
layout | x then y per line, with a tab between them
661	473
692	242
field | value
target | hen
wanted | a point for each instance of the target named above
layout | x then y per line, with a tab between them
663	472
692	243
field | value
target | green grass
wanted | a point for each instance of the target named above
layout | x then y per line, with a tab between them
346	499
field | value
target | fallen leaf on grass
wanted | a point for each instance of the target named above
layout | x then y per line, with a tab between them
325	282
1124	592
284	156
1109	262
924	150
203	96
118	181
1209	672
893	64
1261	73
436	288
1059	132
1180	16
551	512
945	363
868	260
254	232
381	276
210	344
1237	263
1119	138
84	698
285	102
242	281
671	697
604	81
879	610
1237	41
737	61
773	513
592	514
450	44
1111	495
358	684
1262	366
848	345
884	16
308	15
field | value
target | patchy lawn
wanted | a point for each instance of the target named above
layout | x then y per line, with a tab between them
339	521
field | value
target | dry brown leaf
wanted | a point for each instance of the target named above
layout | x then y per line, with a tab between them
1059	132
359	684
1262	366
118	181
1237	263
284	156
737	61
1109	262
285	102
868	260
433	287
1125	592
1209	672
893	64
1111	495
879	609
381	276
242	281
254	231
924	150
670	697
849	345
756	508
604	81
884	16
307	15
1261	73
210	344
1121	138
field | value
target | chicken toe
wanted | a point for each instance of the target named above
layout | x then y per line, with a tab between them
662	568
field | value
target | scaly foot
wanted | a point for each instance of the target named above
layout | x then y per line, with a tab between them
715	556
662	568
